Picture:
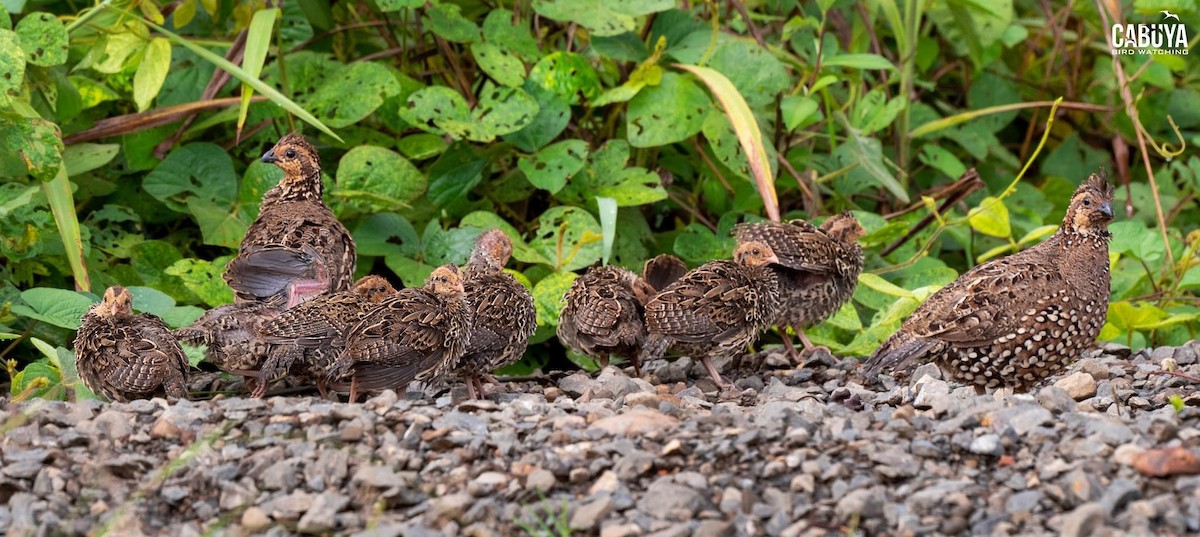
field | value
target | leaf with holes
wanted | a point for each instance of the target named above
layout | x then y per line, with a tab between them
36	142
353	93
551	119
12	65
569	237
203	278
548	296
446	21
607	176
567	75
220	224
699	244
670	112
43	39
441	110
200	169
499	30
991	218
373	179
503	66
601	17
756	73
550	167
503	111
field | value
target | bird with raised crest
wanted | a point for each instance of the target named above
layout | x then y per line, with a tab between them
296	249
604	310
305	339
818	269
122	356
715	310
1014	321
416	335
502	309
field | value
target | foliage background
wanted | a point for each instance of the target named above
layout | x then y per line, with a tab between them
130	154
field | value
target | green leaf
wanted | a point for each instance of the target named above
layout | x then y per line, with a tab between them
151	72
799	111
446	21
36	380
440	110
352	93
1129	317
568	236
12	65
62	204
548	296
608	225
43	39
181	316
859	61
203	278
550	167
503	66
373	179
499	30
151	301
883	286
58	307
874	111
698	244
668	113
388	6
551	119
608	177
567	75
220	224
503	110
846	318
454	174
971	26
868	153
942	160
991	218
601	17
758	75
258	42
421	146
36	141
83	158
384	233
197	169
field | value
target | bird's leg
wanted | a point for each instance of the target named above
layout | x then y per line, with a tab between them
789	348
300	291
809	348
353	389
471	393
637	366
321	389
713	373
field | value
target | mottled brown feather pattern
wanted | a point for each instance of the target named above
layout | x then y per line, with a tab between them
1016	320
716	309
502	309
294	217
229	334
416	335
122	356
818	267
604	309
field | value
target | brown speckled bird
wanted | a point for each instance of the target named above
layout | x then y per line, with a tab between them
604	310
304	340
417	334
122	356
1016	320
296	249
715	310
229	335
818	268
504	316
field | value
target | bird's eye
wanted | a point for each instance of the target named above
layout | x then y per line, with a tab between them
290	153
1087	202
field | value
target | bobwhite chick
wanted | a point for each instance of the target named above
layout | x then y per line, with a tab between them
1016	320
296	249
818	269
122	356
502	309
305	339
604	310
417	334
229	334
717	309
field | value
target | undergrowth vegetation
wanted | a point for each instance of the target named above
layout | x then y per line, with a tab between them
590	131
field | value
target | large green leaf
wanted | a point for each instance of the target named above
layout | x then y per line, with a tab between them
548	296
203	278
12	64
200	169
670	112
567	75
151	72
43	39
500	64
352	93
602	17
447	22
373	179
58	307
551	166
568	236
991	218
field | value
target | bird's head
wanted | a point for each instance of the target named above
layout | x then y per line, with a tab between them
117	302
843	228
445	280
374	289
493	248
298	159
1091	207
754	254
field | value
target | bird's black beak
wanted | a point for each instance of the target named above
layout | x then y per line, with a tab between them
269	156
1106	209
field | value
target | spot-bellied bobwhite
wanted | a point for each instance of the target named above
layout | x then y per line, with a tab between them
717	309
122	356
1016	320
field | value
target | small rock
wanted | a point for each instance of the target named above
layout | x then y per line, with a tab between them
540	479
607	483
621	530
1079	385
867	503
667	500
164	429
1125	454
449	507
1056	399
714	528
931	392
1166	462
255	520
636	422
988	444
588	516
1084	520
321	516
576	383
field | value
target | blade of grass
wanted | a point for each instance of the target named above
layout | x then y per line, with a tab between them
62	204
748	134
267	91
258	42
950	121
608	224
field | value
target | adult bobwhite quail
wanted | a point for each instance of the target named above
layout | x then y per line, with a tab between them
417	334
715	310
604	310
1016	320
304	340
818	268
296	249
502	309
122	356
229	334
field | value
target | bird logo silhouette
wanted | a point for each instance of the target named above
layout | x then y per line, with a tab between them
1169	15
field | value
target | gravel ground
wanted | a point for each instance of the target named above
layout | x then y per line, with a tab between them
790	452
